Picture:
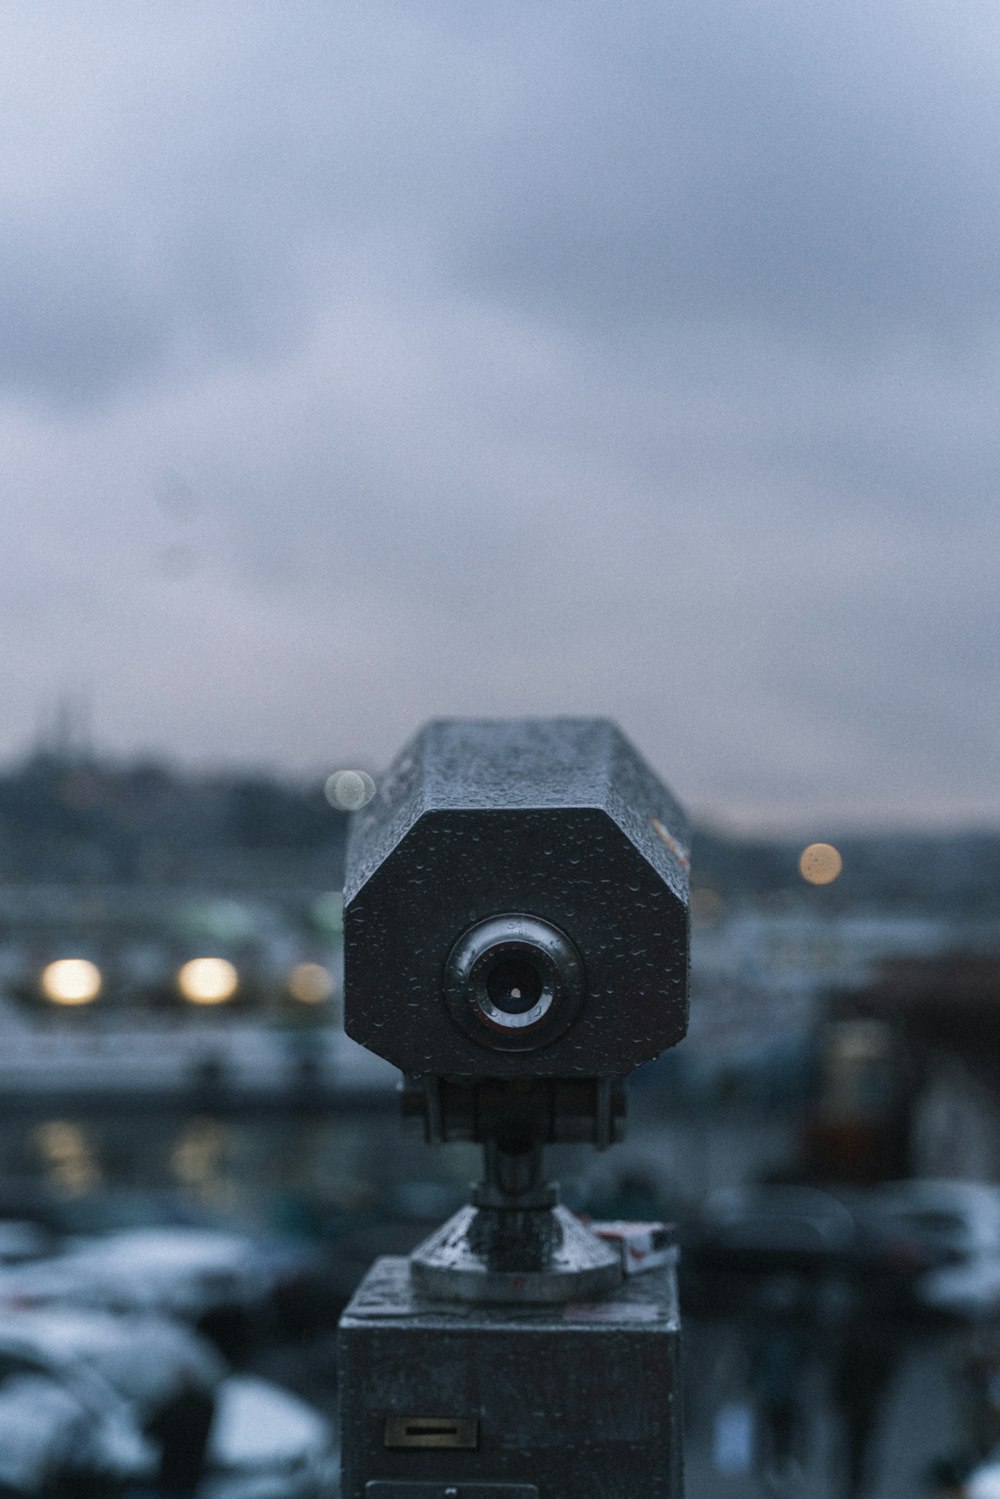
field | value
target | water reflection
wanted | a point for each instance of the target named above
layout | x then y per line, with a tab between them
267	1171
69	1162
198	1161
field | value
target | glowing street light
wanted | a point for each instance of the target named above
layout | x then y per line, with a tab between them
71	981
349	790
207	981
820	864
310	983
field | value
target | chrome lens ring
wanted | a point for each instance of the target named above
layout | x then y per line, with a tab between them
513	982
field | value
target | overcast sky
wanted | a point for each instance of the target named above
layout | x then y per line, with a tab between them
363	361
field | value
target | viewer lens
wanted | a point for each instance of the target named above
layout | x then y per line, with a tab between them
513	982
514	985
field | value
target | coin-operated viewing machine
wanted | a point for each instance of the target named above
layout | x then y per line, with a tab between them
516	941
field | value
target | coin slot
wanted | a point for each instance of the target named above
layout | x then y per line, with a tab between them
381	1488
432	1431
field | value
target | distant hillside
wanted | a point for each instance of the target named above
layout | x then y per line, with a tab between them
75	819
87	821
946	873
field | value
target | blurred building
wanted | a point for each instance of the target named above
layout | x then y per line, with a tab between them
139	871
943	1013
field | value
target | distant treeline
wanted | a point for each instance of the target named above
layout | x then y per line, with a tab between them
946	873
89	821
76	819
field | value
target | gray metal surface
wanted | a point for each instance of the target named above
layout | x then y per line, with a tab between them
379	1490
542	1256
580	1400
558	819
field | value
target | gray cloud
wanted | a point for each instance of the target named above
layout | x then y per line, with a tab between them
825	174
824	171
370	362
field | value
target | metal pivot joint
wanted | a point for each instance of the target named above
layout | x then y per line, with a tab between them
514	1243
555	1110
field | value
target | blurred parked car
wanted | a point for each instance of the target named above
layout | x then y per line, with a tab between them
289	1280
51	1443
949	1233
953	1220
264	1443
971	1291
211	1279
983	1482
745	1238
74	1407
768	1228
22	1241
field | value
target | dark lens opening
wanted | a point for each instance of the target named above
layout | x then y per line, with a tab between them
514	985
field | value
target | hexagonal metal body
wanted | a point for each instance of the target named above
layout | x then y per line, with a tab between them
558	819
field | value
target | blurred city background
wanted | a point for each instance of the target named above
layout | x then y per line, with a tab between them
187	1133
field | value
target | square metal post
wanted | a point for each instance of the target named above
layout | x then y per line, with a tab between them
573	1401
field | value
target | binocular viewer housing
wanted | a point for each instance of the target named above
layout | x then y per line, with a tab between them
516	941
516	906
